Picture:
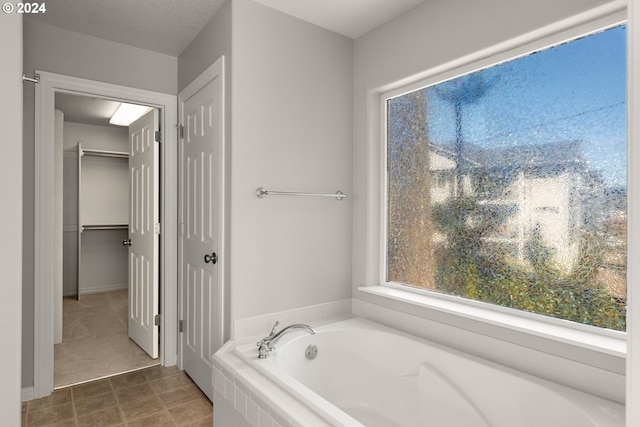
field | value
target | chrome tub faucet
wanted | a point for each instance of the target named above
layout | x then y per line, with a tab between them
268	343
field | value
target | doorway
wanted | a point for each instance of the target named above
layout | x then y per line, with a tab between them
93	303
50	85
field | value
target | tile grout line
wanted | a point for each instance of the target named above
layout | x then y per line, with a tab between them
147	376
111	304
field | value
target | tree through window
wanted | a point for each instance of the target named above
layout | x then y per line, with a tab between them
508	185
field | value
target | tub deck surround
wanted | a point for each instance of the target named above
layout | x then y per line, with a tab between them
387	378
312	314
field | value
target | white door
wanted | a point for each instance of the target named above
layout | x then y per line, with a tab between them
200	227
143	232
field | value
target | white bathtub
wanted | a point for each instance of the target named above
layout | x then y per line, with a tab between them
369	375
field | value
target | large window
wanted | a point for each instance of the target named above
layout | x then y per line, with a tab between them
508	185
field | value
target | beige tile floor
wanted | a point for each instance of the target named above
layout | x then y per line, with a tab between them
155	396
95	342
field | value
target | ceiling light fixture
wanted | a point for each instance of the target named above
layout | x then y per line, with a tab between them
128	113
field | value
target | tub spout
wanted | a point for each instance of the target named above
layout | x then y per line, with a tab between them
268	343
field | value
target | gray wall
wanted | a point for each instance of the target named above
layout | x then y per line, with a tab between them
289	122
292	130
10	215
51	49
212	42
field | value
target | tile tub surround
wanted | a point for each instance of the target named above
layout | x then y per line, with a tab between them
251	399
154	396
240	388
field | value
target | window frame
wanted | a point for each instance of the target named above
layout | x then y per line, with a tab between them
602	340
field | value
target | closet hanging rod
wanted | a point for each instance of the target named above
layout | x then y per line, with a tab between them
263	192
105	227
103	153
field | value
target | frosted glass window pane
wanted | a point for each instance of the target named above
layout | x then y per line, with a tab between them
508	185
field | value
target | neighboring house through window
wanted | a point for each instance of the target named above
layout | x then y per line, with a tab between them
508	185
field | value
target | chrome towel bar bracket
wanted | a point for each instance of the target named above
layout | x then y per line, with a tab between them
263	192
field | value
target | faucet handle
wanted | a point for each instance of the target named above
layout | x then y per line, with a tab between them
264	344
264	341
274	330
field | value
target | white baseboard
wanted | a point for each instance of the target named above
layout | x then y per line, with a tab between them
28	393
106	288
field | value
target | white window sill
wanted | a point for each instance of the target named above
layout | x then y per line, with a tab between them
604	341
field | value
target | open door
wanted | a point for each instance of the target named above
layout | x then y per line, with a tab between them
201	225
144	230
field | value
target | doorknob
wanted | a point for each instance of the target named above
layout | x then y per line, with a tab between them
213	258
126	242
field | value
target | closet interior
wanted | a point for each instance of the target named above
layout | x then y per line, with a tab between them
92	295
103	219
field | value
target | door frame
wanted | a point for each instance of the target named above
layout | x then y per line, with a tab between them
50	84
214	71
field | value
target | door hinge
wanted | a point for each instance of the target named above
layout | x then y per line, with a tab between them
157	228
158	136
180	131
180	326
156	320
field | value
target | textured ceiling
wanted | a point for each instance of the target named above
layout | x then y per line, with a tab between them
352	18
165	26
168	26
